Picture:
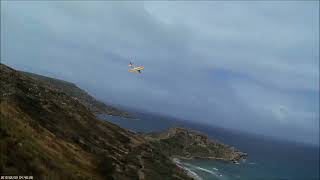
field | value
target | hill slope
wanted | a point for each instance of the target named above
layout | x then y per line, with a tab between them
79	94
184	143
47	133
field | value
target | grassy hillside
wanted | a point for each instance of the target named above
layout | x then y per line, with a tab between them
78	94
47	133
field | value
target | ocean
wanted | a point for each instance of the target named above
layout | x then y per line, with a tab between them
268	159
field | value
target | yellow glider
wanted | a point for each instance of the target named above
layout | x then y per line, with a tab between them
134	69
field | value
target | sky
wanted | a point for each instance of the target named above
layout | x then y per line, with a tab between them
246	65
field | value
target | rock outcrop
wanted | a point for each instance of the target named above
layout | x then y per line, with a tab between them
184	143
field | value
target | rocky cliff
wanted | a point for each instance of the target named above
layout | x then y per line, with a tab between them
184	143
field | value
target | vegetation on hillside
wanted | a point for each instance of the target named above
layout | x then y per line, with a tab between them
74	91
184	143
46	133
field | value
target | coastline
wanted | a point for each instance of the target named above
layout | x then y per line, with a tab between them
190	173
208	158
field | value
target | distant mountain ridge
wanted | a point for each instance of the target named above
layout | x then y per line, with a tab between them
74	91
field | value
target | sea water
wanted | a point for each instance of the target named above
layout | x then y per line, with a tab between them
268	159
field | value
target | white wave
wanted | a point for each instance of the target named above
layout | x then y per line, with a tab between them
206	170
190	166
195	175
189	171
201	169
215	169
192	173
